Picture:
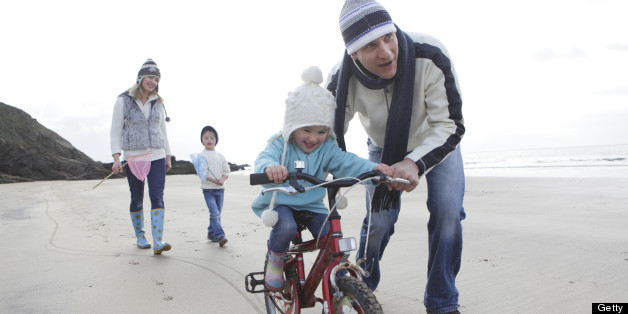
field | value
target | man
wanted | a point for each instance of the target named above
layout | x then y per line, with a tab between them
404	88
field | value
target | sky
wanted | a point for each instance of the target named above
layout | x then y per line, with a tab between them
533	74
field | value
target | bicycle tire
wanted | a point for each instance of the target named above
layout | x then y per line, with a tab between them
274	305
362	298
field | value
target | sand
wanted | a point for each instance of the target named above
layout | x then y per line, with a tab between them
531	245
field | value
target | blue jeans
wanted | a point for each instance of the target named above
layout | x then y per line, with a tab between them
156	179
286	227
445	187
214	199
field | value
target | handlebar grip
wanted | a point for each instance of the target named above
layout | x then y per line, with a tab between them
259	178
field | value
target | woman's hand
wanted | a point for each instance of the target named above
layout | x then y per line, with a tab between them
168	163
117	166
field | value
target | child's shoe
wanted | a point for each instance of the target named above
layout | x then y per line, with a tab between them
273	279
222	241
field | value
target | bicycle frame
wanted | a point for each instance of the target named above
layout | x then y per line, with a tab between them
332	256
325	265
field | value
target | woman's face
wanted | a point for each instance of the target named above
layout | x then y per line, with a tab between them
310	137
149	83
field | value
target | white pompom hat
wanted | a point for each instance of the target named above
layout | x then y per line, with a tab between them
307	105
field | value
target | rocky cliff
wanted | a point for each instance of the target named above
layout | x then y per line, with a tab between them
30	152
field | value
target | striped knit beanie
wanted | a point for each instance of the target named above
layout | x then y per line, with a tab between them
149	68
362	21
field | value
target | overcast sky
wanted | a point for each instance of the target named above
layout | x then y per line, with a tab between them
533	74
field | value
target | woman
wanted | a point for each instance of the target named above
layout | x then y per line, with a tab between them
138	126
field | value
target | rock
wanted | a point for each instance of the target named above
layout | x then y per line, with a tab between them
235	167
32	152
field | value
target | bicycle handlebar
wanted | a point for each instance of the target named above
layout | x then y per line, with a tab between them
295	187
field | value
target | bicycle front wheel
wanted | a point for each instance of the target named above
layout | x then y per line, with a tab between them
357	297
286	301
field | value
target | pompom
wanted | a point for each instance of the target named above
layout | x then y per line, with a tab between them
269	217
312	75
341	202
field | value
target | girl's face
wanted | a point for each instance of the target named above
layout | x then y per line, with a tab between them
149	83
209	140
310	137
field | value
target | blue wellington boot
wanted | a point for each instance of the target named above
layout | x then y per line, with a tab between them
157	220
138	225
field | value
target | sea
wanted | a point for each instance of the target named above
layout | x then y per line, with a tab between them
581	161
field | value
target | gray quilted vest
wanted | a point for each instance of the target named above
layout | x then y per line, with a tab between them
139	132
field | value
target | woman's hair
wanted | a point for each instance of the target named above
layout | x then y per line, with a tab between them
136	91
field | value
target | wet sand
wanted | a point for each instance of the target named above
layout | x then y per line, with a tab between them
531	245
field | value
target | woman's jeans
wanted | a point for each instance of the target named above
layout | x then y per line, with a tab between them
214	199
445	186
286	227
156	179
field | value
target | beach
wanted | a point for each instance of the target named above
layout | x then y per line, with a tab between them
531	245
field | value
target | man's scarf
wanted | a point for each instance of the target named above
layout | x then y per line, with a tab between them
398	124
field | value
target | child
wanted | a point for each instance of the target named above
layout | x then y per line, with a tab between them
214	185
307	135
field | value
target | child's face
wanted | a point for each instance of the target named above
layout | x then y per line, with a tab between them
310	137
209	140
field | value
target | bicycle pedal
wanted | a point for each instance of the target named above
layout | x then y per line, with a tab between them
251	283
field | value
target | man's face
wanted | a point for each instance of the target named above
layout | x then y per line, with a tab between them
380	56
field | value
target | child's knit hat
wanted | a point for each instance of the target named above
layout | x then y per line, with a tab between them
309	104
362	21
211	129
149	68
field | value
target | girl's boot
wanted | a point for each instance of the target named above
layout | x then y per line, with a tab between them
157	220
138	224
273	278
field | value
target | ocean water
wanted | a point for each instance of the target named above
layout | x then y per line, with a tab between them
582	161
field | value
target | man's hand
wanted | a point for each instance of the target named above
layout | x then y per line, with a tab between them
405	169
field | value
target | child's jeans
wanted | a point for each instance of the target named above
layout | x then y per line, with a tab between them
286	227
214	199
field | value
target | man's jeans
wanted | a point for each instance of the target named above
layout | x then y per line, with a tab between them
214	199
445	185
156	179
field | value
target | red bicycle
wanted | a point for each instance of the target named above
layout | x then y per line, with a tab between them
344	294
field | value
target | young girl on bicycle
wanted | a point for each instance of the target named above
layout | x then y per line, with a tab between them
308	136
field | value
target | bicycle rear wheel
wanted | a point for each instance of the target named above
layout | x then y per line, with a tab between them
286	301
360	297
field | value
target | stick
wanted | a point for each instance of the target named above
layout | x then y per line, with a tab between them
107	177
